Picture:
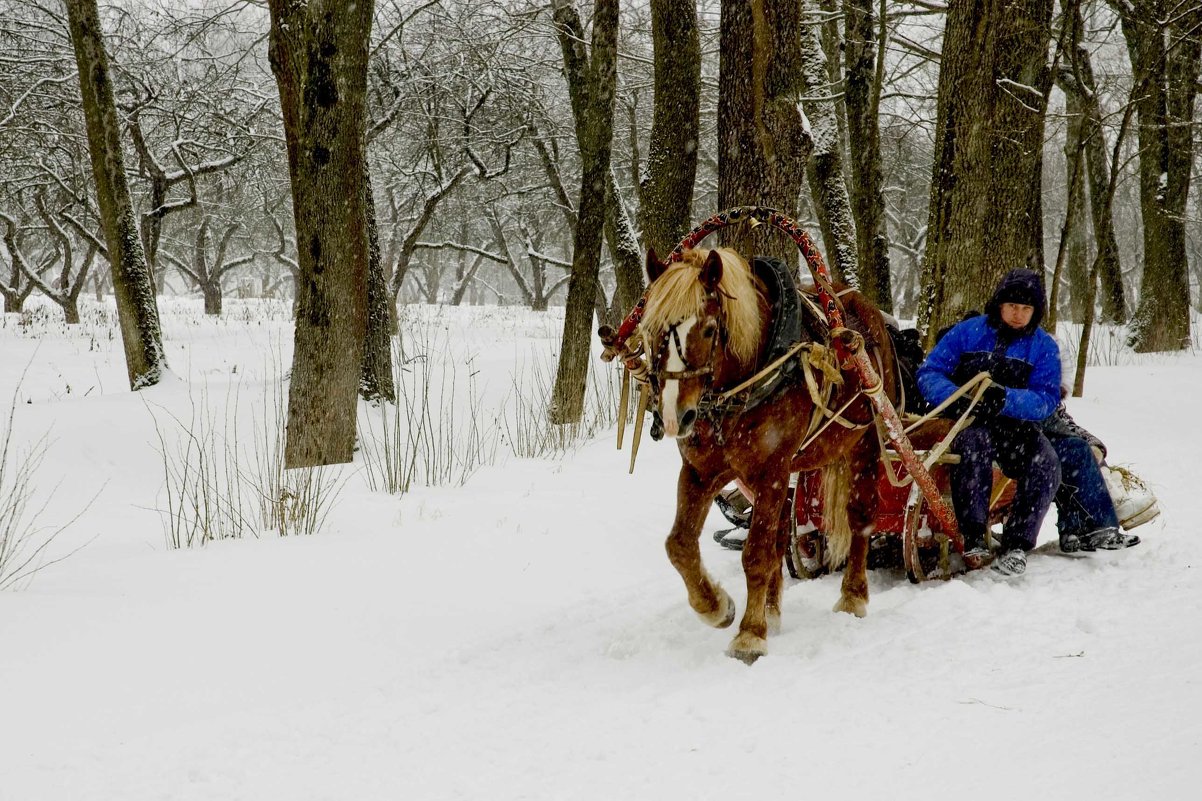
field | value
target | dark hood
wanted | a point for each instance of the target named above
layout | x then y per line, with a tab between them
1018	286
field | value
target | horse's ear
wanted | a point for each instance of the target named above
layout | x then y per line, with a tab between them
711	271
655	267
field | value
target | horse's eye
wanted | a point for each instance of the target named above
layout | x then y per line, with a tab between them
709	330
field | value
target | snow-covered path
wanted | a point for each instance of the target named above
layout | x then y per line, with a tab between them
524	637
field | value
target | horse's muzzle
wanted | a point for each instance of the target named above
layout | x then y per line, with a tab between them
683	426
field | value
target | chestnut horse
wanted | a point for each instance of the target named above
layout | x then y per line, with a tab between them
705	328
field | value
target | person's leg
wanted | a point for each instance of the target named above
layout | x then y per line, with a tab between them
1026	456
1083	502
1072	516
972	481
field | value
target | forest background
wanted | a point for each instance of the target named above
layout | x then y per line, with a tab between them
528	152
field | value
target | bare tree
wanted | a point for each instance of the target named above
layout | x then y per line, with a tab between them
617	229
319	54
136	308
864	55
20	282
594	134
986	205
666	191
762	146
376	380
828	186
1164	40
1076	80
208	270
66	289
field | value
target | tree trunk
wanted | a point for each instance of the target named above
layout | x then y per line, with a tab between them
867	180
594	133
986	216
152	228
376	381
409	243
620	236
137	311
1163	41
212	296
71	310
1076	269
1080	84
1076	79
19	285
762	145
318	53
623	245
666	190
825	173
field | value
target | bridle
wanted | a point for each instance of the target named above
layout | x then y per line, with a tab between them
658	374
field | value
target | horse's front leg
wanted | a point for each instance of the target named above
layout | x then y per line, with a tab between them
861	517
694	494
762	566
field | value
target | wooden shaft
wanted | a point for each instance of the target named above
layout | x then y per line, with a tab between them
895	430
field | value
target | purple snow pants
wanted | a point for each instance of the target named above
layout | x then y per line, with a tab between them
1026	456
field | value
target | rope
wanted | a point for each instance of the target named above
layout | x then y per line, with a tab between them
934	455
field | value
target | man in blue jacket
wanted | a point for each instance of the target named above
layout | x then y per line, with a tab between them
1024	364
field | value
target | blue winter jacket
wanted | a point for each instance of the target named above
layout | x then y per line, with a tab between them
1029	367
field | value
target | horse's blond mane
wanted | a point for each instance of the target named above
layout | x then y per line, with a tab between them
678	294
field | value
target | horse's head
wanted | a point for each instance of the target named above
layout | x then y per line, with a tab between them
702	328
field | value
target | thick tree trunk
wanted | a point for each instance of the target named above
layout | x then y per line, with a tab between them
594	133
666	191
986	215
762	145
866	175
318	53
1163	41
376	381
137	311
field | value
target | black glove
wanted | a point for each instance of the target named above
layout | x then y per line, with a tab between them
956	409
991	402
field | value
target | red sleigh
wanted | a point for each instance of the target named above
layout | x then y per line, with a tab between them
906	533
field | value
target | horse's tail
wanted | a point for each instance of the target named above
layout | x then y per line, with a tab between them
836	493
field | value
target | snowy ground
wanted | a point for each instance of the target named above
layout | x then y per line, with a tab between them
524	637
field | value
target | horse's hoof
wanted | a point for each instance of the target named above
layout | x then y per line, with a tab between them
772	617
853	606
747	648
724	615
